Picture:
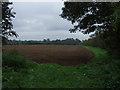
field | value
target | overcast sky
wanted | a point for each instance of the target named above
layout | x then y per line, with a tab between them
41	20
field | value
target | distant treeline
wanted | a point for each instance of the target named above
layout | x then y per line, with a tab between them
68	41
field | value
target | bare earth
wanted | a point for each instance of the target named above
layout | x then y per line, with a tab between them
60	54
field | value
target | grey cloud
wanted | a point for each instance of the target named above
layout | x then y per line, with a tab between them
42	20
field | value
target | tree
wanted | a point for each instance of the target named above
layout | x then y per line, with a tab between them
87	15
102	19
7	15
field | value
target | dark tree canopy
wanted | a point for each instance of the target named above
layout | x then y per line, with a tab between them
101	18
7	15
85	16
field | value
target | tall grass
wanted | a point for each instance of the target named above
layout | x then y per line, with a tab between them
13	59
109	66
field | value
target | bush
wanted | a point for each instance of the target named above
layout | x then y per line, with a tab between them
13	59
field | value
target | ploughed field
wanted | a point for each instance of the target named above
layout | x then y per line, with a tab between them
60	54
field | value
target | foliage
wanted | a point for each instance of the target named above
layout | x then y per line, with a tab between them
87	15
68	41
101	72
7	15
108	66
94	42
100	18
4	41
114	38
14	60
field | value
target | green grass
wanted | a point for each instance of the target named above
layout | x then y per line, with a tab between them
100	53
99	73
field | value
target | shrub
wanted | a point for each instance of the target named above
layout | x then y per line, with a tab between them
13	59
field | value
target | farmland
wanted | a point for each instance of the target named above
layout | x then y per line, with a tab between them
60	54
20	72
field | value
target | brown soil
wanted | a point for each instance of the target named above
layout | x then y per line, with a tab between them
60	54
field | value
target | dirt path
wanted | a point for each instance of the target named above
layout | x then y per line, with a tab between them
60	54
